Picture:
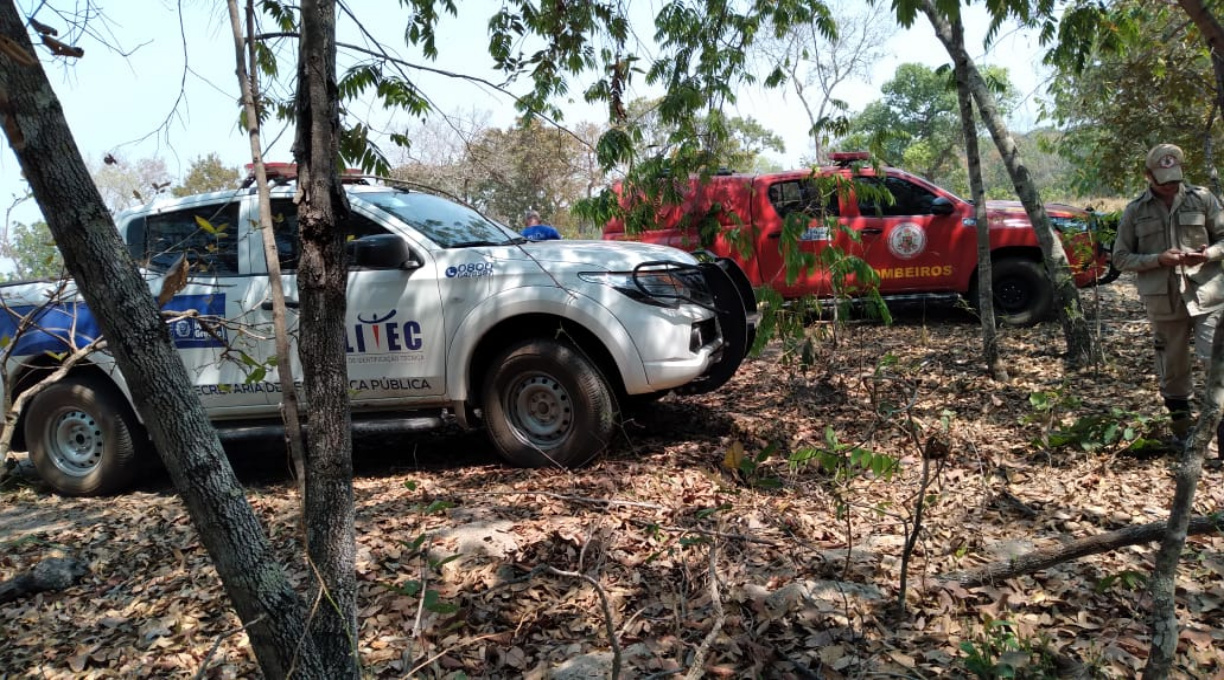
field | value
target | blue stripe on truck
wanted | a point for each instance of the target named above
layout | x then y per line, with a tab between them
54	325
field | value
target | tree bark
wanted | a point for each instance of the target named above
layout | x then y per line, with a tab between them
1163	585
1213	34
1207	24
33	121
322	283
1092	545
1080	348
990	332
247	83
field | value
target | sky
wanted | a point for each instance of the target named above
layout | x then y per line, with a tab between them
157	80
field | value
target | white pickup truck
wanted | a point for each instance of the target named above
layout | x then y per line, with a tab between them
450	316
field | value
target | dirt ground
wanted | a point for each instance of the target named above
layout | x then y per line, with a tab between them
772	476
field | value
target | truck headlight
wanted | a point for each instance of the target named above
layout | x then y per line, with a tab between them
1072	225
662	284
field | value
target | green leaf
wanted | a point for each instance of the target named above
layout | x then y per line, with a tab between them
434	604
206	225
417	542
438	506
707	512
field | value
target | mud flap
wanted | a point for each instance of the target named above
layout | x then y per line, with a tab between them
735	304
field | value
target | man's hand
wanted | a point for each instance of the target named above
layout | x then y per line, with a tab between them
1172	257
1194	258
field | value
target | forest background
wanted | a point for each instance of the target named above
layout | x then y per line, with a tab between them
875	86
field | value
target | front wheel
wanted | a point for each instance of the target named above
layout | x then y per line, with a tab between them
546	404
1023	294
83	438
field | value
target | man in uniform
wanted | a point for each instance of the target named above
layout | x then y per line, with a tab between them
1172	237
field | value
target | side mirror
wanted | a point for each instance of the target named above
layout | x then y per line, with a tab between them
380	251
942	206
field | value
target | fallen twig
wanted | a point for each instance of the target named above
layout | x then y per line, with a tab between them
606	502
609	625
217	644
697	670
466	643
706	532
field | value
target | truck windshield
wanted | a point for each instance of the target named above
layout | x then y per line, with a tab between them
448	224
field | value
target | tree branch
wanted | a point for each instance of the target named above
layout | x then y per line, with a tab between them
697	670
436	71
1084	547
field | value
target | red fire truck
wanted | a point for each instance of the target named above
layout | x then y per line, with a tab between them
922	243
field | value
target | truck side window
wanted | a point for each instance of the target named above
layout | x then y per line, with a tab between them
910	198
800	196
285	230
211	249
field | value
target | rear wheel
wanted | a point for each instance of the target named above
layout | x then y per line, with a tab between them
1109	276
83	438
546	404
1023	294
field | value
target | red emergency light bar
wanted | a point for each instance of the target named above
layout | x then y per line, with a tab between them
287	172
847	157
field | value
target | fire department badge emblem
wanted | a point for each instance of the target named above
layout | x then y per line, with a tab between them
907	240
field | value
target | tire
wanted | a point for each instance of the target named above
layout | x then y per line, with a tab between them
83	438
545	404
1023	294
1110	276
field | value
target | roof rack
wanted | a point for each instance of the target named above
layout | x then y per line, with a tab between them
284	173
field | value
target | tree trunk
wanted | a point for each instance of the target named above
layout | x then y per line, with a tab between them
1080	348
1213	34
1207	24
322	280
33	121
1190	467
990	333
248	85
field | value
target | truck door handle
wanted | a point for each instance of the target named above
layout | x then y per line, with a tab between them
873	231
290	303
774	235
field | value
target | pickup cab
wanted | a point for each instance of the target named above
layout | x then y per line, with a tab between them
922	243
452	317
